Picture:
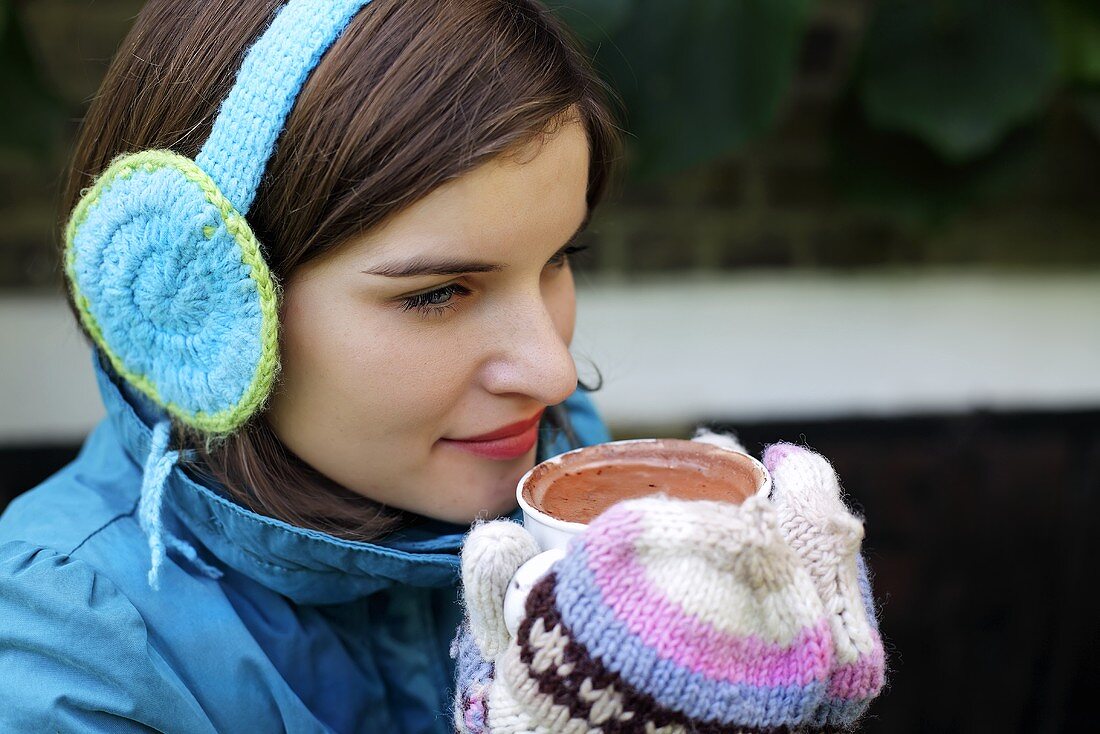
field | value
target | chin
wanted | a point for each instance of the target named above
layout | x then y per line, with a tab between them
494	508
489	501
485	512
495	493
494	505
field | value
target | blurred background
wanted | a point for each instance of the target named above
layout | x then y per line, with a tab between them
870	227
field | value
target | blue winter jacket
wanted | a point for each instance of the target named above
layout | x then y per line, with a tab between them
303	632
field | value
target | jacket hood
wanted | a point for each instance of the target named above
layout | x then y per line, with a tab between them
308	566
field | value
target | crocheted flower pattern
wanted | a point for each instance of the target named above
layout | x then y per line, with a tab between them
169	280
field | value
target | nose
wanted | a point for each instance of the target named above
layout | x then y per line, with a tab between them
531	352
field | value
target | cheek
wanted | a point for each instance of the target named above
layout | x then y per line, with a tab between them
355	364
562	302
326	340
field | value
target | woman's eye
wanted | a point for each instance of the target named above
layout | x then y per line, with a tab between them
434	303
559	259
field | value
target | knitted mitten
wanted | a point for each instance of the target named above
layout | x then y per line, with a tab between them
664	616
827	536
491	554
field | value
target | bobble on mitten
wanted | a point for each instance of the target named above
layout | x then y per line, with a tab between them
668	616
819	527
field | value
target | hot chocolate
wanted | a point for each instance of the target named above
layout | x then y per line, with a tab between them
585	483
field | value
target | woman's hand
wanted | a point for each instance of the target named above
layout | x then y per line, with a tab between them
696	616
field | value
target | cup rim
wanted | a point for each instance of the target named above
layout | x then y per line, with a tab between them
577	527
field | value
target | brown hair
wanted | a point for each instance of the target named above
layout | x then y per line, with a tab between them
414	93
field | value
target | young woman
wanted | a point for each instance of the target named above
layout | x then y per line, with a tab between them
426	167
321	250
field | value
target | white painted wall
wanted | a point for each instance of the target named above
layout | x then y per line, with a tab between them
47	390
785	346
744	348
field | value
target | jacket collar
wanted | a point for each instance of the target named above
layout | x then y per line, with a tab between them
308	566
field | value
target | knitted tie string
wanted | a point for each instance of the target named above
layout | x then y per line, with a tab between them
158	466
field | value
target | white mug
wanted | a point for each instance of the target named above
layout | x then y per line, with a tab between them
553	534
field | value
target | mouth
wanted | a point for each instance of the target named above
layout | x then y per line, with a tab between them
501	448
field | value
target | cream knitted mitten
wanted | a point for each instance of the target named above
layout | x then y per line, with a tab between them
826	535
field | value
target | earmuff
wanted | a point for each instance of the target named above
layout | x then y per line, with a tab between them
164	268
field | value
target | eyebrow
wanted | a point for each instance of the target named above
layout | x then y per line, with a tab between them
450	266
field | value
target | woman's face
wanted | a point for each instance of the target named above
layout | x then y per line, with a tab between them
373	383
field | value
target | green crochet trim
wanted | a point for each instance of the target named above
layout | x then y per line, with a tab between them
225	421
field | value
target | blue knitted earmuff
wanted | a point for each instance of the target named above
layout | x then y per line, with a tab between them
164	269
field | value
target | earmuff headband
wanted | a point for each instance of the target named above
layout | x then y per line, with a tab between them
273	72
165	271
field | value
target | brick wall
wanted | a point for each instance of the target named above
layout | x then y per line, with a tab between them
776	203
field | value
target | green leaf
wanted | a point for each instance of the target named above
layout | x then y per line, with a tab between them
900	177
698	77
959	74
1076	29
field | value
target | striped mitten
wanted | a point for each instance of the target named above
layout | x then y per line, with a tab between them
664	616
823	532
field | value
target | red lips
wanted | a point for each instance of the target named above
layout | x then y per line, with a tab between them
503	444
512	429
